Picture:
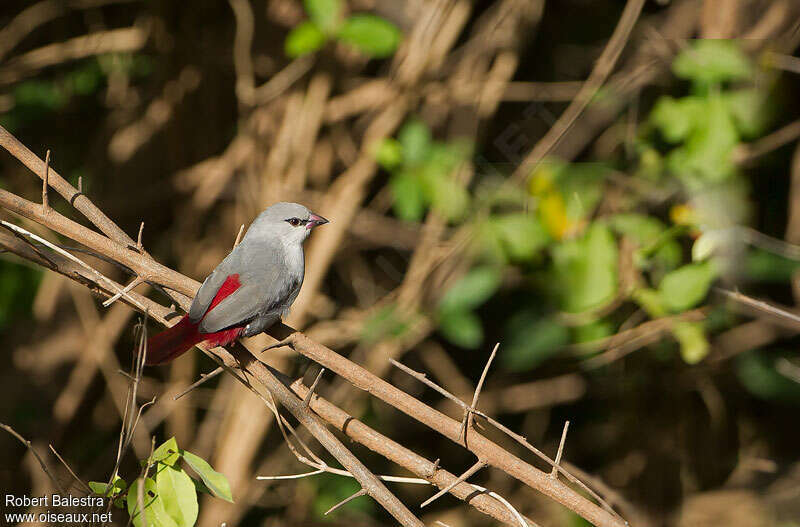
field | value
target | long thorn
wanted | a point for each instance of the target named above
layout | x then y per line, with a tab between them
307	398
139	245
461	479
238	236
466	424
203	378
46	182
554	472
358	494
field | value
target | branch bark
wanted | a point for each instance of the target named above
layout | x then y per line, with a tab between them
120	248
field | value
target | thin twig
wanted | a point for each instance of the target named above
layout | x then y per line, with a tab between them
307	398
204	377
554	472
79	480
462	478
515	436
139	245
466	423
238	236
127	289
46	182
358	494
36	455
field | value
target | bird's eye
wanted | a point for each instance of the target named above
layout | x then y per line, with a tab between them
294	222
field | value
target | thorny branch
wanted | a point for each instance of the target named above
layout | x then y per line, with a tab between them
119	247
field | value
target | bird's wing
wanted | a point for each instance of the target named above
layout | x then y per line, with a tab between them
211	287
266	286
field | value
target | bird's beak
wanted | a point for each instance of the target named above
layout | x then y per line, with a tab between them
315	220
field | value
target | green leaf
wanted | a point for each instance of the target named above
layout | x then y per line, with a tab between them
304	39
415	138
521	235
104	489
692	339
462	328
389	154
472	290
764	266
370	34
709	61
167	453
530	340
585	270
447	196
751	111
707	154
154	511
178	494
675	118
386	322
686	286
756	371
216	482
324	13
642	228
408	196
599	329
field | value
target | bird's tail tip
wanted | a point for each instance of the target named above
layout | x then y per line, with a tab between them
172	342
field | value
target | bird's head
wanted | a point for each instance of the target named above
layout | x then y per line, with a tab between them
291	222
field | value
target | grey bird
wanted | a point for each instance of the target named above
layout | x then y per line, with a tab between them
251	289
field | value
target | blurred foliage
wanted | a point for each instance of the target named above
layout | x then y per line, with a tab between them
568	250
371	35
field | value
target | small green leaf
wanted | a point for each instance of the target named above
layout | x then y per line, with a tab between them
178	494
643	229
686	286
472	290
167	453
447	196
153	506
596	330
386	322
706	156
462	328
709	61
103	489
389	154
415	138
216	482
408	196
756	370
751	110
675	118
692	338
586	269
521	235
764	266
370	34
324	13
531	339
304	39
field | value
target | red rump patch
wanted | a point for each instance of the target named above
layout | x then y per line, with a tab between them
230	285
176	340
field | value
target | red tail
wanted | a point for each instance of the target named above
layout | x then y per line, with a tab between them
172	342
180	338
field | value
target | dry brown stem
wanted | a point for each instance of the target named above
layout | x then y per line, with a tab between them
256	373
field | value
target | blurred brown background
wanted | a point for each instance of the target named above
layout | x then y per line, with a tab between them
192	118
